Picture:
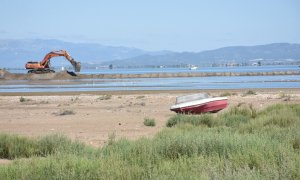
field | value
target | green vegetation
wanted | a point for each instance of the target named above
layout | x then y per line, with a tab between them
22	99
228	94
249	92
13	146
233	117
111	138
149	122
241	143
104	97
140	97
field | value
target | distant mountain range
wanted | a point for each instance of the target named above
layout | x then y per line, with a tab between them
15	53
277	53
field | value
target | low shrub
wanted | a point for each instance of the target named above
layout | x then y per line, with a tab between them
140	97
149	122
280	115
296	143
197	120
249	92
281	120
284	96
22	99
241	109
56	143
235	120
73	99
104	97
227	94
14	146
65	112
111	138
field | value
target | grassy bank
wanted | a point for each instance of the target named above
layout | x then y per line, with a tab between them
240	143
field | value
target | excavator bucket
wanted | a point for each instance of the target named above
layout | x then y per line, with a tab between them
76	65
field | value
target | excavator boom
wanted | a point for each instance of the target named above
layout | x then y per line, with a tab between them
44	65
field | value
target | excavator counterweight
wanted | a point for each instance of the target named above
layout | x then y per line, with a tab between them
44	65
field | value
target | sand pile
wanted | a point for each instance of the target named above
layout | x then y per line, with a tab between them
65	75
47	76
51	76
3	73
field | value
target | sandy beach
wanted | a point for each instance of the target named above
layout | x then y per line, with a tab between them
91	117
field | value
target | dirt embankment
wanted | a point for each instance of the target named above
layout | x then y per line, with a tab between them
5	75
48	76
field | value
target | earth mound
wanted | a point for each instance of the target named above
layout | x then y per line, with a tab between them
32	76
3	73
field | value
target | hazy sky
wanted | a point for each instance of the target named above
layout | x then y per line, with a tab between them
178	25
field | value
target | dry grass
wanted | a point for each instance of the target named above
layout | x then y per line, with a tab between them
284	96
22	99
104	97
228	94
140	97
64	112
249	92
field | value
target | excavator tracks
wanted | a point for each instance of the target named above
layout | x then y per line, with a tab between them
41	71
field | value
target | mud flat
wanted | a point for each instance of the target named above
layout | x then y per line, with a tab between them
5	75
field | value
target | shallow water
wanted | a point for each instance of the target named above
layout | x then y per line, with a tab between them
184	70
184	83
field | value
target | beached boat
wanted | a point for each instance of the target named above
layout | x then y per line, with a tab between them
199	103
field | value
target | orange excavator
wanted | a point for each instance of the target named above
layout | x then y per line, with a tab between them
44	65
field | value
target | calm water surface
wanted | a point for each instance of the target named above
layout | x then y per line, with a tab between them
184	70
183	83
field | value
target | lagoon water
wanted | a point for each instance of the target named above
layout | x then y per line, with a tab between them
200	69
184	70
183	83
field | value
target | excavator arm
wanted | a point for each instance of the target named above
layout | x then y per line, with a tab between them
44	65
46	60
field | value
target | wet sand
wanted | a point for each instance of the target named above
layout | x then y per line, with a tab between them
96	115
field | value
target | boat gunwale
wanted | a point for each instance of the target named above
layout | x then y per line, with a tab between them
197	102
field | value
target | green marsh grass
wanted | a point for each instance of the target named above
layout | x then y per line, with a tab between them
241	143
149	122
